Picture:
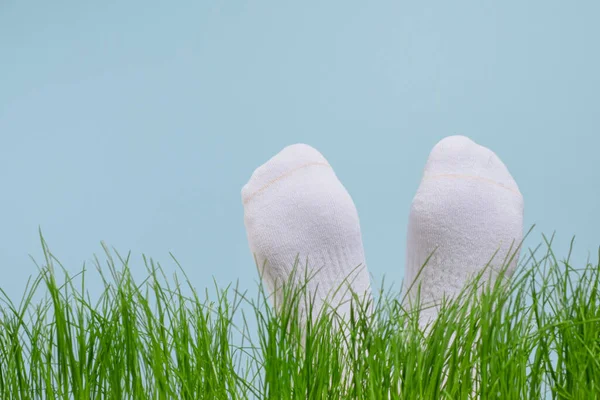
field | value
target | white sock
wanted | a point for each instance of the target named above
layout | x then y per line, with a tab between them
294	205
467	207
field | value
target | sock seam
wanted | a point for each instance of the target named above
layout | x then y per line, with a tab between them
473	177
282	176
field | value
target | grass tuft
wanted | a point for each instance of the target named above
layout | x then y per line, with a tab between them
538	337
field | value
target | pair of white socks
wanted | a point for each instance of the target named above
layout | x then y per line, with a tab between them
467	214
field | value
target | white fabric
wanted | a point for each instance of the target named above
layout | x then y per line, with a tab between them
294	205
467	206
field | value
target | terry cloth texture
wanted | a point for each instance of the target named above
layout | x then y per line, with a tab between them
295	208
467	208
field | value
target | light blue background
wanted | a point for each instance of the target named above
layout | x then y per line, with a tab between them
138	122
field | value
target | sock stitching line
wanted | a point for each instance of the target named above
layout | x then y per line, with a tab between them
473	177
282	176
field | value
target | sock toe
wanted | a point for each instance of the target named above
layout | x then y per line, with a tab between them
288	160
295	206
459	157
467	208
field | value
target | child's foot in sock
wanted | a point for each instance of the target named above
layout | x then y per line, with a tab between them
467	208
295	207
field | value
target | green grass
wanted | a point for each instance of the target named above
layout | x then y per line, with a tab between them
159	339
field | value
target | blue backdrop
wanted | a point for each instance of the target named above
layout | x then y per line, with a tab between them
138	122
